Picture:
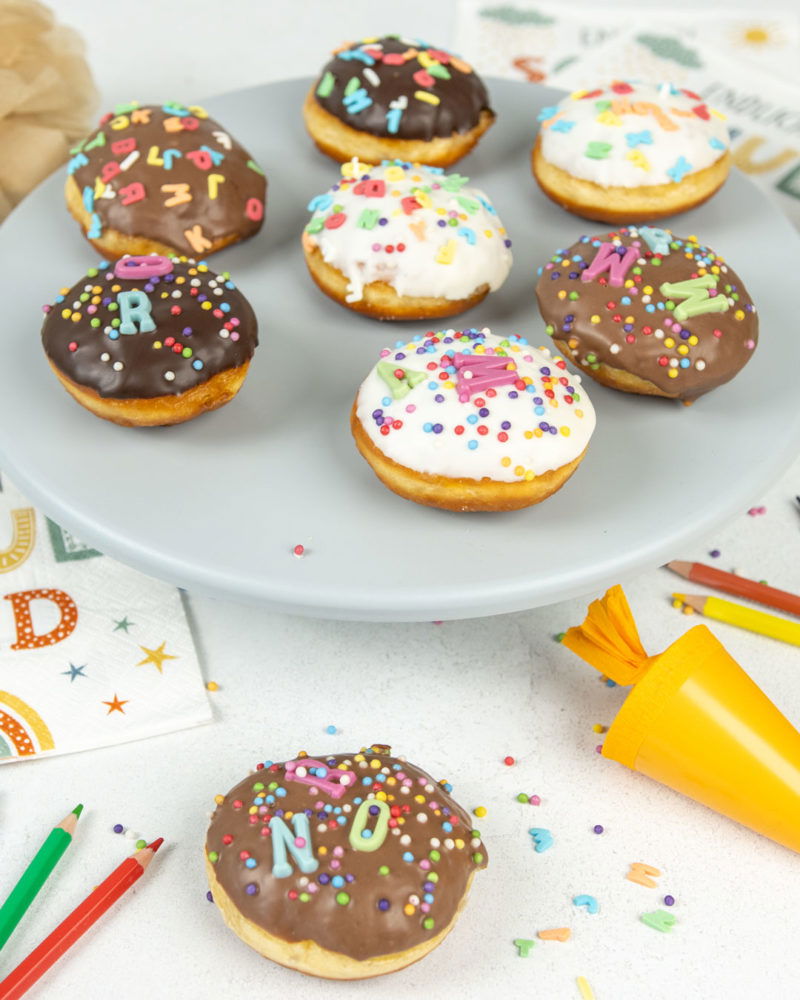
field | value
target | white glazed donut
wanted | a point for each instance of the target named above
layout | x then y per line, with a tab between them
631	151
405	241
467	420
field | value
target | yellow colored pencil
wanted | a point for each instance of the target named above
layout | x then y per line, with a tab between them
743	617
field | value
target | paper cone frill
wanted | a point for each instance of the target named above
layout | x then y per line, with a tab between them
695	721
608	639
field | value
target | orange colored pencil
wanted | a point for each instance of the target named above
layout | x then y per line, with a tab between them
18	982
739	585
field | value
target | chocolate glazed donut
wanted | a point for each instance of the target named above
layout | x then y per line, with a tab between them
136	339
642	310
164	179
393	73
342	865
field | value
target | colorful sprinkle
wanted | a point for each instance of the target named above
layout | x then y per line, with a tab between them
542	839
659	920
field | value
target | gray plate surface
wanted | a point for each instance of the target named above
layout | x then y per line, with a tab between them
217	505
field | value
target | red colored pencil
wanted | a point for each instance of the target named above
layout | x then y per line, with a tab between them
18	982
739	585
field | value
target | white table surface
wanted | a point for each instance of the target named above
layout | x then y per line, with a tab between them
455	698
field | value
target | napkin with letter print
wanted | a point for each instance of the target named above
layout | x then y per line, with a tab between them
91	653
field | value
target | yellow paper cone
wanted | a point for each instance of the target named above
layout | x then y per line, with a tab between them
696	722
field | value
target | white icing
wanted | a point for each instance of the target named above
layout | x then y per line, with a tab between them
569	127
435	260
529	450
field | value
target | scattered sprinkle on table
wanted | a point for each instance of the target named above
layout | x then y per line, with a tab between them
118	828
209	897
589	903
597	728
330	729
298	550
659	920
643	874
559	636
212	686
140	844
555	934
524	946
669	901
542	839
715	553
479	811
509	761
586	991
597	828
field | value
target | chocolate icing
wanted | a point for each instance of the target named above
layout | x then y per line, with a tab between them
431	884
460	91
220	337
236	210
635	329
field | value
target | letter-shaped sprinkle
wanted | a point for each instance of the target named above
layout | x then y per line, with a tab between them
298	844
135	308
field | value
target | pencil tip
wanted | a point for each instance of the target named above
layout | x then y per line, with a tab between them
679	566
156	844
77	810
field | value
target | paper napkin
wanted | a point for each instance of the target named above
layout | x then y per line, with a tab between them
743	65
91	653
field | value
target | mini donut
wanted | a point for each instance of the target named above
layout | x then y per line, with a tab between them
397	98
164	179
150	340
468	421
647	312
630	152
403	241
343	866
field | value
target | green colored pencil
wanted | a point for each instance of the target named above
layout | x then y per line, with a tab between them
36	874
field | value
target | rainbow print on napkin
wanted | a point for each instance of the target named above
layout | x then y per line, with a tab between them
91	653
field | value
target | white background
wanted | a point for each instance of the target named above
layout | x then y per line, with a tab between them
455	698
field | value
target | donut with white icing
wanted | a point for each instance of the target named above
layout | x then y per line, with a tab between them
631	151
405	241
470	421
396	97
